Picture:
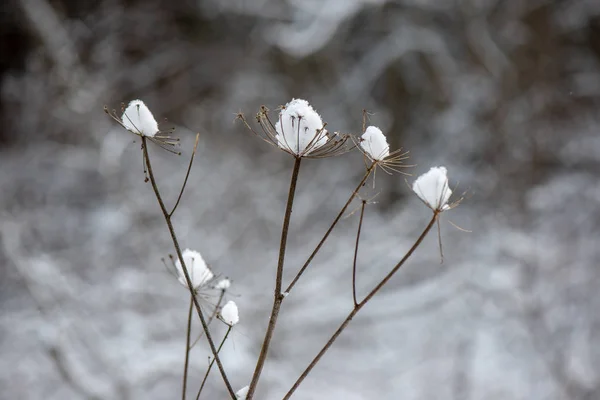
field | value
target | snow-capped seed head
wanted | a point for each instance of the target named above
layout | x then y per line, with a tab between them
223	284
432	187
229	313
242	393
199	272
299	128
138	119
374	144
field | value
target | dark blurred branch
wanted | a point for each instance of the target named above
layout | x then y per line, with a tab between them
62	365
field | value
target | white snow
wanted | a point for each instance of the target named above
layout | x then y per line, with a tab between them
299	128
139	120
432	188
242	393
229	313
199	272
223	284
375	144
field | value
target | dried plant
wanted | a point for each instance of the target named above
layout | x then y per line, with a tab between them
301	133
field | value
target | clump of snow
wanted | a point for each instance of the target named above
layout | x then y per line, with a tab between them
432	188
300	128
374	144
199	272
242	393
229	313
138	119
223	284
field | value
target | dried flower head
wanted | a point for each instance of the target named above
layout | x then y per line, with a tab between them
138	119
229	313
373	144
299	131
432	188
199	272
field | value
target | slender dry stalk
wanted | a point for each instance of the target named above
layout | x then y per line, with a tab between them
184	268
370	169
360	305
360	221
187	348
211	317
212	362
277	296
187	175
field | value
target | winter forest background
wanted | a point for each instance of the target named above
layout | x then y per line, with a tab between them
506	94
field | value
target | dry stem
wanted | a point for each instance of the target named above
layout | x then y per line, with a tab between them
184	268
277	296
359	306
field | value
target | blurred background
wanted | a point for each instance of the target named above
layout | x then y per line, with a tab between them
503	93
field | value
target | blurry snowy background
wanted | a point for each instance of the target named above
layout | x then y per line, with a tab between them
506	94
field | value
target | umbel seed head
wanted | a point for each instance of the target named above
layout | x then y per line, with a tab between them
299	131
138	119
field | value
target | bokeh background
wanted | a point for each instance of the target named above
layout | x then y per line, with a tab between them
506	94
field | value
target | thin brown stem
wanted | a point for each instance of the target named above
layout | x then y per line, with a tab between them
184	268
359	306
277	296
187	175
187	348
360	221
333	224
211	317
212	362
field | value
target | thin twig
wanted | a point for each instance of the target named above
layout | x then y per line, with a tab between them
360	221
212	362
277	296
184	268
187	175
211	317
359	306
187	348
333	224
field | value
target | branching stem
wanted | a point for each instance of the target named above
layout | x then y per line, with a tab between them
212	362
184	268
333	224
359	306
211	317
